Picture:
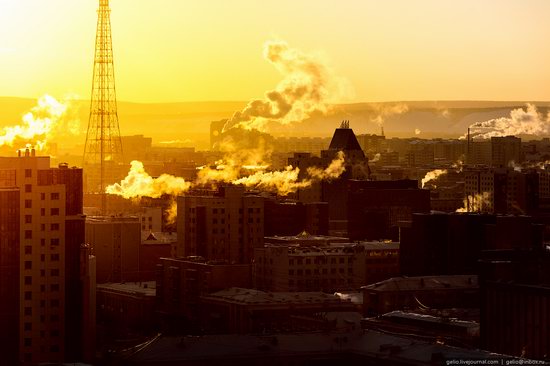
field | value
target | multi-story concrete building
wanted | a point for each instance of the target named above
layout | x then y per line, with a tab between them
225	226
327	268
51	233
505	150
501	190
181	282
116	243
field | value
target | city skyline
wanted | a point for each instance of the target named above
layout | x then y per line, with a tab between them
170	51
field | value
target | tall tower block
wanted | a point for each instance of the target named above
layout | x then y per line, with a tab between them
103	149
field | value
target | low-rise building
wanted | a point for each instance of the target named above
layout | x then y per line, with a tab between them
330	267
400	293
244	311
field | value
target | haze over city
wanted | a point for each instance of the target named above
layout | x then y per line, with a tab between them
277	182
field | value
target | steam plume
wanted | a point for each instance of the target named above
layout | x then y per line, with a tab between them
47	120
476	203
172	212
333	171
283	182
139	183
433	175
521	121
384	111
305	88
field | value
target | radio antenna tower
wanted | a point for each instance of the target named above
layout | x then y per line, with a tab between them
103	148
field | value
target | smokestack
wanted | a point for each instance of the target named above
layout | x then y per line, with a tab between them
27	152
19	153
382	128
33	152
468	148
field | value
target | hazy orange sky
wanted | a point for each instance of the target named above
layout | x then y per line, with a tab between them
190	50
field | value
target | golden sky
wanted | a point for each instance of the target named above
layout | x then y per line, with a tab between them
191	50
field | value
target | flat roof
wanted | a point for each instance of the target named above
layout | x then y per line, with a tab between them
146	288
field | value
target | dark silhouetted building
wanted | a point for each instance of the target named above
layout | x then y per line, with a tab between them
225	226
181	282
448	244
374	208
515	293
245	311
286	218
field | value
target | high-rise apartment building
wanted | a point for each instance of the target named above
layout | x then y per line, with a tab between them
226	226
51	232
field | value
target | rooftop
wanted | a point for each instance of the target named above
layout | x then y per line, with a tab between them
425	283
148	288
233	349
250	296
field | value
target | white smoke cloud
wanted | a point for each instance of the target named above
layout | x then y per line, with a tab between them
333	171
417	131
433	175
526	121
138	183
307	86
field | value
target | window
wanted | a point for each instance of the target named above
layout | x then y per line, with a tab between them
54	241
42	273
28	188
28	342
28	311
54	287
42	242
28	295
28	249
54	349
54	272
42	257
54	196
54	303
28	280
42	196
54	227
28	203
28	173
28	219
54	212
54	257
28	326
28	265
28	234
42	212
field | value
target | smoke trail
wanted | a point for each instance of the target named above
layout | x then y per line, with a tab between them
282	182
333	171
305	89
521	121
433	175
476	203
45	121
376	158
139	183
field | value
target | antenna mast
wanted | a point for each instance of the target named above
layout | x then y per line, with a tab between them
103	148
